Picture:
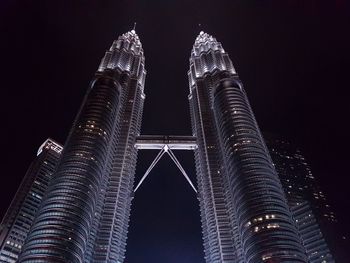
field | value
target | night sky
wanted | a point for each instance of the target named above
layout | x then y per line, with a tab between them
293	58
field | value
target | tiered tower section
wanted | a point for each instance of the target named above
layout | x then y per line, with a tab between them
245	216
208	61
125	58
84	216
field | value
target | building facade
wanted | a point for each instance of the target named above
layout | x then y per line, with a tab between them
85	214
24	206
312	212
245	215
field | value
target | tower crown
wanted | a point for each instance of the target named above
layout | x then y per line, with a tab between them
205	42
207	56
204	37
131	40
126	55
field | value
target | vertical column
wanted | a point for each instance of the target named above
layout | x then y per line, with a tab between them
208	64
126	58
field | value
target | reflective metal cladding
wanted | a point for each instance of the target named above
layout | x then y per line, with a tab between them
85	214
245	216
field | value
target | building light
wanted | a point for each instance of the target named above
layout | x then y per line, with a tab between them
265	257
273	226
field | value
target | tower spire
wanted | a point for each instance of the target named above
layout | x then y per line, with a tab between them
134	28
200	28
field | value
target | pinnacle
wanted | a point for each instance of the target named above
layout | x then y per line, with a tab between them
203	37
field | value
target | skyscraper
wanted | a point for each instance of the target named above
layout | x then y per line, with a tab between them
21	213
315	219
85	214
244	212
245	216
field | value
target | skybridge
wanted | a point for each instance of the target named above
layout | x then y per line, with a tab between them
166	144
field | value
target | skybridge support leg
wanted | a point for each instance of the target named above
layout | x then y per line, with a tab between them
176	161
155	161
167	150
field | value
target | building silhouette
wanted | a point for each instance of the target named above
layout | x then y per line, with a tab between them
22	211
84	215
312	211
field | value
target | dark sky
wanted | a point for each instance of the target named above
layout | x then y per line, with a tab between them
292	56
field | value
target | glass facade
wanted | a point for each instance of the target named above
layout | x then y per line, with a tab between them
22	211
84	217
245	215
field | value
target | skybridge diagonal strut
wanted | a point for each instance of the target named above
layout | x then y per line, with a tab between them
166	149
155	161
178	164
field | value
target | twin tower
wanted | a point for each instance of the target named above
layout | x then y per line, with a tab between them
84	215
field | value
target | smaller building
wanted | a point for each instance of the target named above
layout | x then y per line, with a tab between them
311	210
21	213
